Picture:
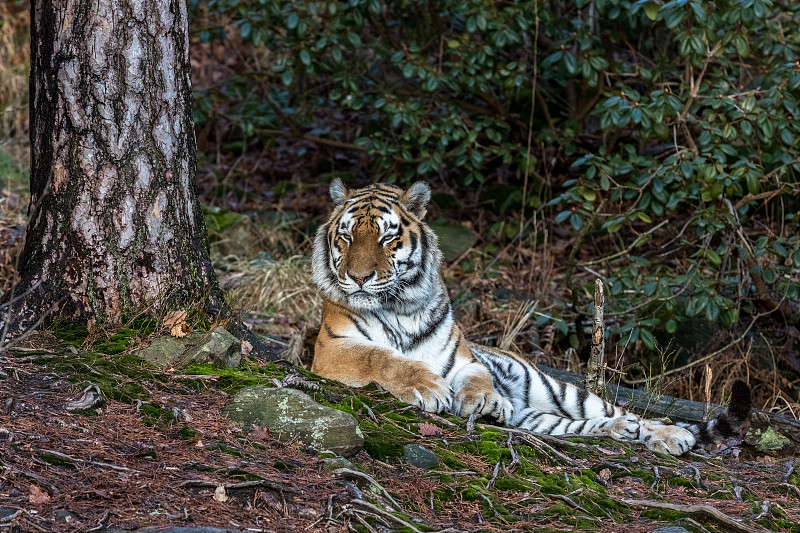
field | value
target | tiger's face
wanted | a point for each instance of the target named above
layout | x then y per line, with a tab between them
375	251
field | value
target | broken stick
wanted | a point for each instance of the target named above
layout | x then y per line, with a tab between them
595	375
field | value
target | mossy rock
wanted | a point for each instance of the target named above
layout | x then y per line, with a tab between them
454	239
292	415
217	346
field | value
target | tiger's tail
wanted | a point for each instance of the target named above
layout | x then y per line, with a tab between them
727	424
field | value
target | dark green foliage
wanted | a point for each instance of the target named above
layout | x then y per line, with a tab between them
681	113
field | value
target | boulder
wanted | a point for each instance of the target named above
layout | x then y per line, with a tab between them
454	239
290	414
217	346
419	456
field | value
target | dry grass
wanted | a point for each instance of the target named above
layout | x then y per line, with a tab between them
14	68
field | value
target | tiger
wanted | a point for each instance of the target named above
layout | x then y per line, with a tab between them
387	319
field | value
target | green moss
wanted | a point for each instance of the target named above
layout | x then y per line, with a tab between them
380	443
115	344
219	219
188	433
559	509
286	467
224	448
666	515
683	482
155	415
55	460
231	380
451	460
512	483
69	333
91	413
120	377
241	475
490	451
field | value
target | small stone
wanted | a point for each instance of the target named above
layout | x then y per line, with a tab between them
66	517
671	529
334	463
290	414
419	456
5	512
217	346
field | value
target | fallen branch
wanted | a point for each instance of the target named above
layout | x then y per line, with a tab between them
713	512
533	439
33	477
569	500
278	487
86	462
368	479
595	375
380	512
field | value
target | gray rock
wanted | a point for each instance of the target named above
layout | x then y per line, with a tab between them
671	529
334	463
419	456
290	414
217	346
454	239
5	512
66	517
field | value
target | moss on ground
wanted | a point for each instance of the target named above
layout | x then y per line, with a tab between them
487	466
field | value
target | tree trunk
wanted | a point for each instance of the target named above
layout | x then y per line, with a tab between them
115	226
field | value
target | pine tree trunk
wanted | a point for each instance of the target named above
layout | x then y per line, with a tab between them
115	226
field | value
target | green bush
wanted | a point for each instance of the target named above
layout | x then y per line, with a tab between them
667	130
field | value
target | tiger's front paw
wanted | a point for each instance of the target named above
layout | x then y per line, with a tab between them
471	400
426	390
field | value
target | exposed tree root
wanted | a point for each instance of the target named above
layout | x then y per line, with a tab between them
713	512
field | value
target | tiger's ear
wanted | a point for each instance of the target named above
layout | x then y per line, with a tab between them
338	191
416	199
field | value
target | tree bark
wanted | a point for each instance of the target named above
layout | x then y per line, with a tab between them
115	226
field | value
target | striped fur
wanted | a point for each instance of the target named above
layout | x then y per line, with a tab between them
387	319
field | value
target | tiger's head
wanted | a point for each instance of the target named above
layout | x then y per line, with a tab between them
375	251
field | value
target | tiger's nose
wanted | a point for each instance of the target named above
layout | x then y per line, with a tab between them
361	280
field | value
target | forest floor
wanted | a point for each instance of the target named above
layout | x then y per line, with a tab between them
155	453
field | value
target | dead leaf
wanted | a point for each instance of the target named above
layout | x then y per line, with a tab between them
426	429
179	331
37	495
175	318
219	494
246	348
604	475
102	493
199	444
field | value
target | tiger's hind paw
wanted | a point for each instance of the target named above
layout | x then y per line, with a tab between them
666	438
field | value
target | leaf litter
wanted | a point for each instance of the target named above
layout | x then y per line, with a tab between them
138	464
